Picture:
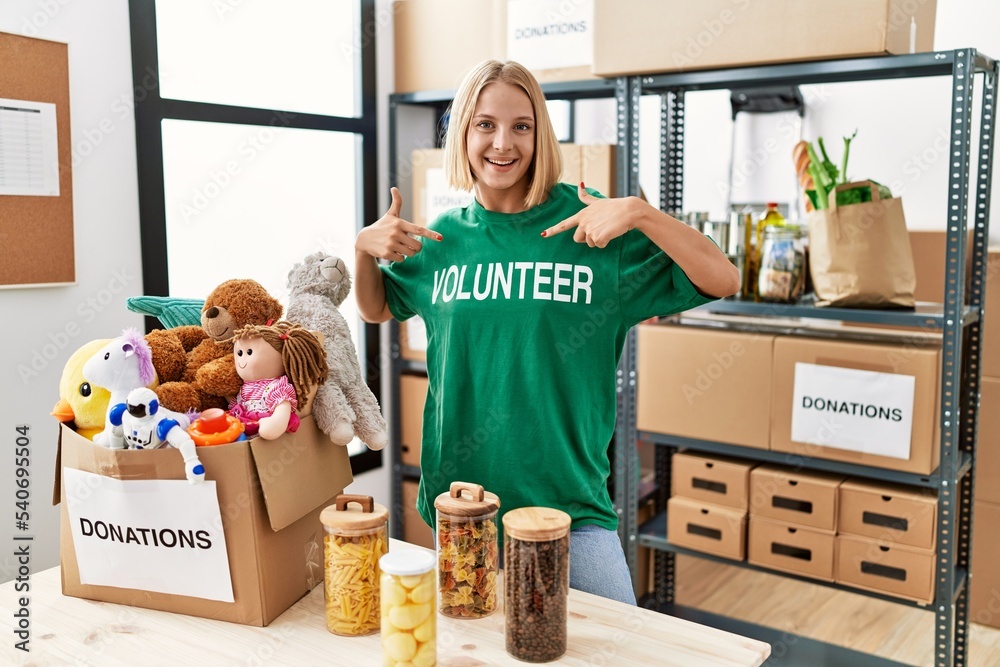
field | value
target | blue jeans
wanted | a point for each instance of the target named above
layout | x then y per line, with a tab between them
597	564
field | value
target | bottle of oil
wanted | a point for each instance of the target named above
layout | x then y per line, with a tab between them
745	225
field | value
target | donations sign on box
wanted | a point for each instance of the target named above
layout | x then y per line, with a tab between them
856	410
152	535
551	34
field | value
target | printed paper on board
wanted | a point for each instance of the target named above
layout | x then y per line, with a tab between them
154	535
860	411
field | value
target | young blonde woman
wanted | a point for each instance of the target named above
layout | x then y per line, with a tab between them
527	294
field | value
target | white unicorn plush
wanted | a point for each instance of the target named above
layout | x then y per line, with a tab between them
120	366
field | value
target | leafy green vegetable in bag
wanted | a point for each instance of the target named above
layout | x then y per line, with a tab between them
826	177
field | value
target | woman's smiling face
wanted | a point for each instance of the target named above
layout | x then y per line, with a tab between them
501	144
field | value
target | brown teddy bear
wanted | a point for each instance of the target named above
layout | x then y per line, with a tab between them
209	377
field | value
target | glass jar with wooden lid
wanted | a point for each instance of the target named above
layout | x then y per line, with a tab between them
356	537
468	556
536	582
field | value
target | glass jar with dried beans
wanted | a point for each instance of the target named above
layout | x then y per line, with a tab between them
468	556
536	582
356	538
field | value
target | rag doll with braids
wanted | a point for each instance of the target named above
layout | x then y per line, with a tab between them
278	364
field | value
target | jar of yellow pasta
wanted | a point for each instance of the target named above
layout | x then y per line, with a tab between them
356	538
409	621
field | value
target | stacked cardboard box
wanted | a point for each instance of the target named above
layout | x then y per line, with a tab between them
553	38
707	510
886	539
793	520
674	35
984	595
415	531
568	41
879	409
705	384
412	395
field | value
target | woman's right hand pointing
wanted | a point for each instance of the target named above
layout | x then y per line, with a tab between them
392	238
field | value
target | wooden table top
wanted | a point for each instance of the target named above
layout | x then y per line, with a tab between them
66	630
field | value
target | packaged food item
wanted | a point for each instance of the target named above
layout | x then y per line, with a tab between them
356	538
771	217
409	624
536	582
782	275
467	553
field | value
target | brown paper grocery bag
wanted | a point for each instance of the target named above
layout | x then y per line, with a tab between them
859	254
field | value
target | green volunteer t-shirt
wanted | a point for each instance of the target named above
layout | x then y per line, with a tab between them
524	334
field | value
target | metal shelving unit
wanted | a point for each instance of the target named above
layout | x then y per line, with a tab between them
435	105
959	319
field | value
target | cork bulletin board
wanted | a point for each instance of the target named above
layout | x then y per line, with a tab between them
36	232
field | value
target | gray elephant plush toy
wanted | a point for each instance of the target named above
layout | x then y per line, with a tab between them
344	406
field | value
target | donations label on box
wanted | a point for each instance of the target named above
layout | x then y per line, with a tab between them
440	196
856	410
153	535
550	34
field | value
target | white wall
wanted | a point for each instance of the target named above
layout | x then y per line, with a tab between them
45	325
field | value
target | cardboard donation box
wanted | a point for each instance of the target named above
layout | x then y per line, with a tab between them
242	546
888	512
872	404
412	395
432	194
426	61
798	498
984	588
782	546
705	527
413	339
705	384
885	567
649	36
987	447
415	531
552	38
711	479
991	325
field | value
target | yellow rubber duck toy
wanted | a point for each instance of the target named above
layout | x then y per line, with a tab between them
79	402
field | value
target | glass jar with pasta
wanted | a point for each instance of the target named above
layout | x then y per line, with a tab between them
356	537
467	551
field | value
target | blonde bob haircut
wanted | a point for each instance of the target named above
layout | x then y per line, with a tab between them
546	164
